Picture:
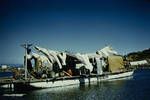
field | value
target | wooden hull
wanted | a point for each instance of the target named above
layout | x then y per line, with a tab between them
79	80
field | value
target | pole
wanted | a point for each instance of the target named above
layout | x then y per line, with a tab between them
25	65
26	46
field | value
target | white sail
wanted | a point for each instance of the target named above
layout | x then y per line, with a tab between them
85	60
62	57
107	51
52	55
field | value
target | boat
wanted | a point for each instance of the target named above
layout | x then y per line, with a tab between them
46	68
67	81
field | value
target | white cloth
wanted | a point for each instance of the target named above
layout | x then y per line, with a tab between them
62	57
85	60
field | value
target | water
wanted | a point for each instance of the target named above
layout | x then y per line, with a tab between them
12	65
133	88
6	74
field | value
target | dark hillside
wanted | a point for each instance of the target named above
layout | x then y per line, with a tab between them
140	55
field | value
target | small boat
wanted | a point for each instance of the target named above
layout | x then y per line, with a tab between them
49	68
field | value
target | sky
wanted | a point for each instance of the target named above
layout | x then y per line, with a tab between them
74	25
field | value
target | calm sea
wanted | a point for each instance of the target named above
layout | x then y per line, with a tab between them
132	88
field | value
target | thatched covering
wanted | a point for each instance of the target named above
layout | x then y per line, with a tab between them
115	63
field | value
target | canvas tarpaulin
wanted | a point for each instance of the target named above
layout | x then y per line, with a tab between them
115	63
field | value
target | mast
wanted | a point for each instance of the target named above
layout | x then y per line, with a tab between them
27	48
